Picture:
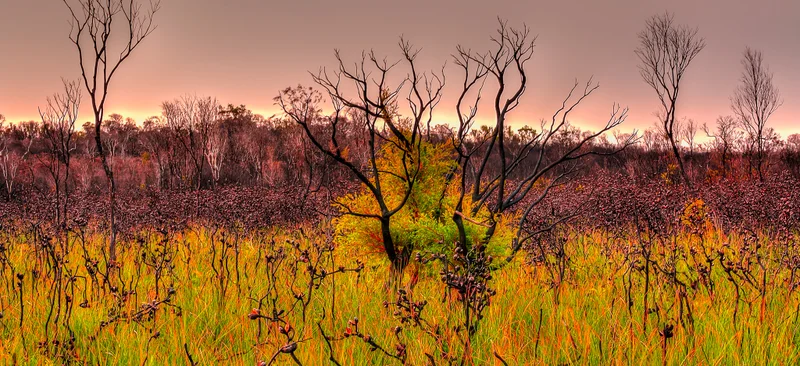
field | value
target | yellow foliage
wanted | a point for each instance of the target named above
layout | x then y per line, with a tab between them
425	221
669	176
695	215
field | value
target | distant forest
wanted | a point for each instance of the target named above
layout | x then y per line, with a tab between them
198	144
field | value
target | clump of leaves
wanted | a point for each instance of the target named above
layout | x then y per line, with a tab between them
425	221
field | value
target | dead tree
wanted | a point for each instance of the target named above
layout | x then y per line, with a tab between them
93	23
11	159
58	130
791	154
155	139
192	121
215	151
499	178
665	51
212	136
724	138
687	132
753	102
181	118
256	144
374	108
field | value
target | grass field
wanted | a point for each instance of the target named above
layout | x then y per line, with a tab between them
189	297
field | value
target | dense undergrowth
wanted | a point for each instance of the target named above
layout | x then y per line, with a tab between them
206	295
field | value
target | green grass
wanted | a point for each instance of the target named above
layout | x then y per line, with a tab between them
590	324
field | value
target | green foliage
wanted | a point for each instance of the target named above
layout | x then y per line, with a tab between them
425	222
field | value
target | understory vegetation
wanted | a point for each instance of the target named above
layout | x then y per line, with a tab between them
210	295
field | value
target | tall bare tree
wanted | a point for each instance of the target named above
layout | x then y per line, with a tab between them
215	151
724	138
687	132
154	138
665	51
193	121
93	24
653	139
374	108
256	146
58	129
754	101
11	159
213	136
495	175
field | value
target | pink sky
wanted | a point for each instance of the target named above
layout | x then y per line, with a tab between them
244	51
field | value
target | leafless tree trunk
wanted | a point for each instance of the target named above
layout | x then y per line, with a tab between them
753	102
688	133
93	24
154	138
58	127
192	120
493	189
724	138
212	136
10	160
256	147
215	151
181	117
653	140
665	51
375	110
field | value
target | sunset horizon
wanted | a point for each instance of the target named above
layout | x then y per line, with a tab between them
240	62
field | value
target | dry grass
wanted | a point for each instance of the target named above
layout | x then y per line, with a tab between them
207	317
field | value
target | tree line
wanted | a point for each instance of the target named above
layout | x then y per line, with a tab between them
198	143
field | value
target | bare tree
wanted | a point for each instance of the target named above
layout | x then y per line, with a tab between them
688	134
119	132
653	139
212	136
93	23
215	151
375	110
687	131
257	152
791	154
753	102
11	159
724	139
665	51
193	120
154	139
498	177
58	128
181	117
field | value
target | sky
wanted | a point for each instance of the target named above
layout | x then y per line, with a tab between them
245	51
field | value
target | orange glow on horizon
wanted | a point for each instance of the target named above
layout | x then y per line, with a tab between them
582	122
